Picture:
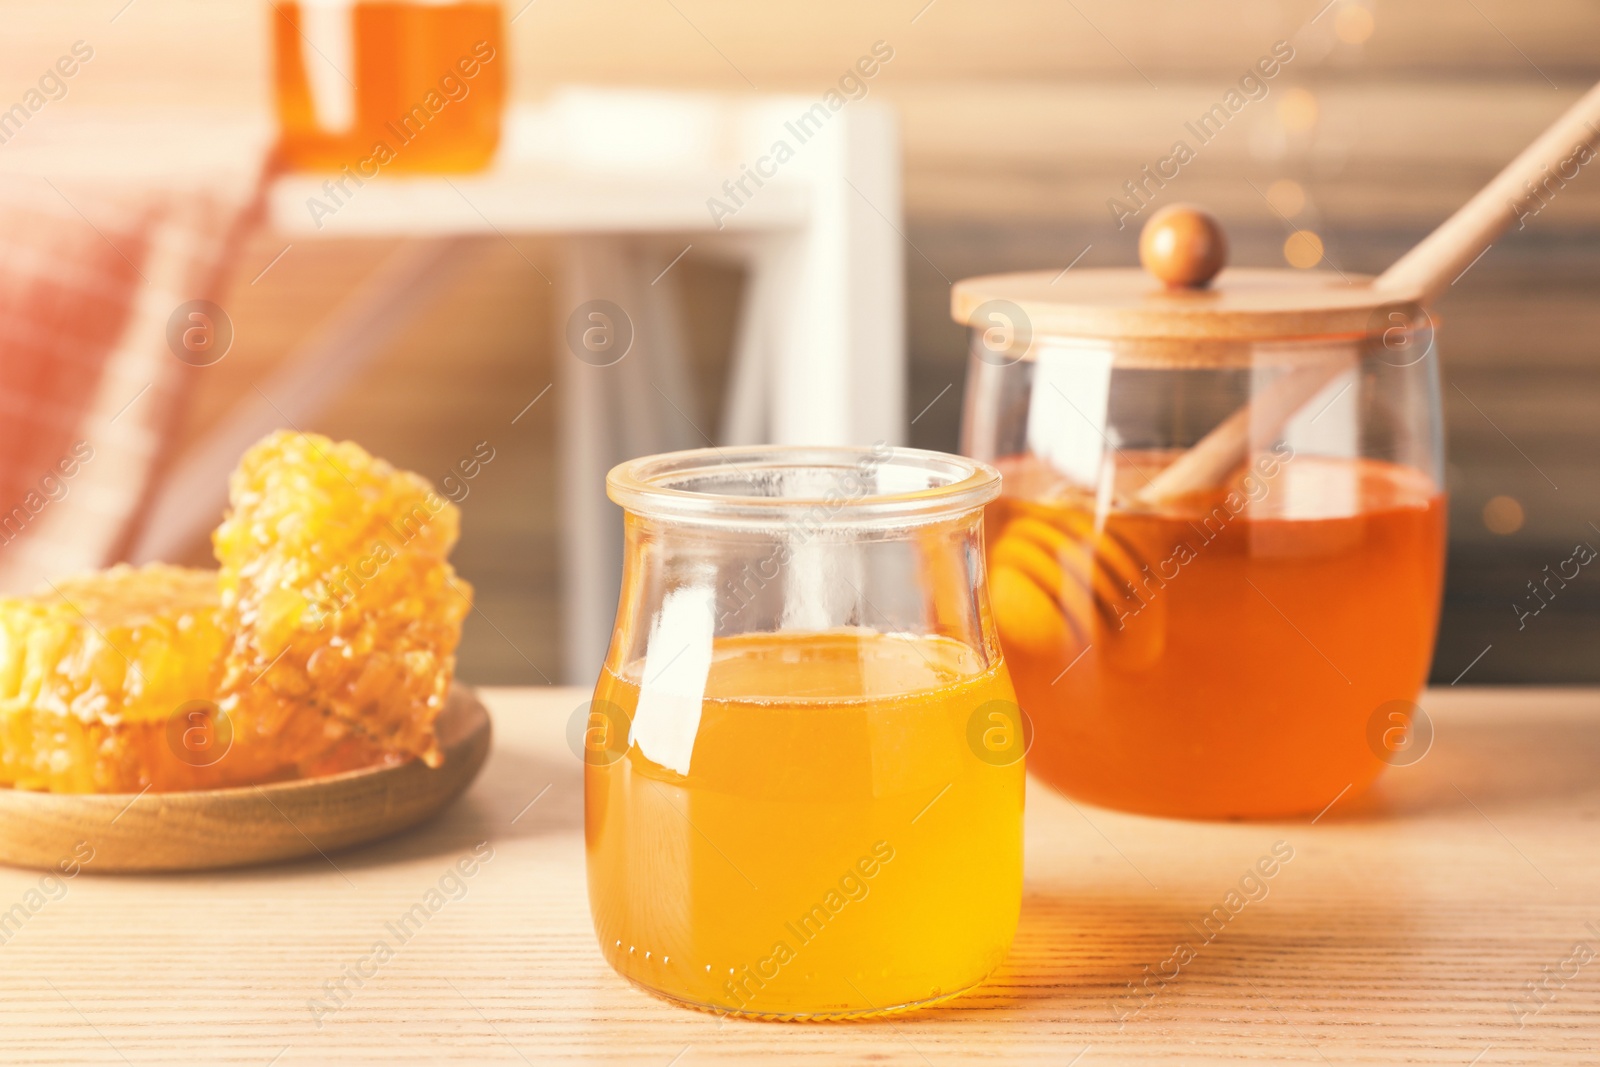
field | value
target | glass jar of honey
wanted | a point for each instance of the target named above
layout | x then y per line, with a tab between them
375	86
1217	555
803	760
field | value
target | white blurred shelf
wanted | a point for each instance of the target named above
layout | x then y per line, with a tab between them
529	199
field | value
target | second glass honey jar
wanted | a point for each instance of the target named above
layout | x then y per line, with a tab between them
1217	557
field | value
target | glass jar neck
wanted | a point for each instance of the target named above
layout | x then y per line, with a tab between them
803	490
819	542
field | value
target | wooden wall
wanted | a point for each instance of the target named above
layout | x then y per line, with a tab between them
1020	120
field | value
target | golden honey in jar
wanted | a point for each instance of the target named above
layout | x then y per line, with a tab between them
388	86
1217	557
804	777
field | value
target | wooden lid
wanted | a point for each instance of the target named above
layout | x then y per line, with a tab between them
1242	305
1185	245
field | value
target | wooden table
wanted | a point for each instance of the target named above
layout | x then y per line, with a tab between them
1406	928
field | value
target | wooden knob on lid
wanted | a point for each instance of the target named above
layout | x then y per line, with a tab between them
1184	246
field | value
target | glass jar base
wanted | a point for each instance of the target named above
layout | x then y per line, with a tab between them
1253	808
843	1015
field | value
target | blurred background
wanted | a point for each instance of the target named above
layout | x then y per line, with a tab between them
1016	121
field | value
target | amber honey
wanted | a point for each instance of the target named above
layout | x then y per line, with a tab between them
1219	655
814	835
415	87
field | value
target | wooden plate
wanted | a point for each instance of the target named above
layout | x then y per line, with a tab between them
237	827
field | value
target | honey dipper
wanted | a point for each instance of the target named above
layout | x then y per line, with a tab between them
1057	581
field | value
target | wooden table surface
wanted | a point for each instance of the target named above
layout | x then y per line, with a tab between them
1407	928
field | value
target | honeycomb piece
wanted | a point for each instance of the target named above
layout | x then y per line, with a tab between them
341	609
92	671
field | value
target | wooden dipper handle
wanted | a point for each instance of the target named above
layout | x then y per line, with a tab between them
1421	275
1429	269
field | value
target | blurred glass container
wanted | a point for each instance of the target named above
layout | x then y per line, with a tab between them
387	86
1234	631
803	781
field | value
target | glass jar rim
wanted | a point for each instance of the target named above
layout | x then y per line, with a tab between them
950	485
